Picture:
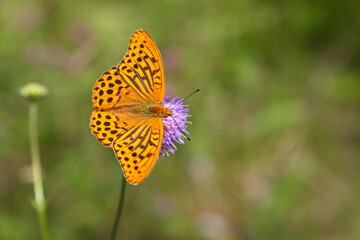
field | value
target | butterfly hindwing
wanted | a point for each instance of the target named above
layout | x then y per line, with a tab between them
108	90
107	127
138	149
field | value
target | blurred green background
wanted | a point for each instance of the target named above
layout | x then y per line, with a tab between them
275	136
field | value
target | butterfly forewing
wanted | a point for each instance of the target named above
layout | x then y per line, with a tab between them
142	67
138	149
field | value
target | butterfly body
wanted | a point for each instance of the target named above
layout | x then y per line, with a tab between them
127	108
144	110
159	111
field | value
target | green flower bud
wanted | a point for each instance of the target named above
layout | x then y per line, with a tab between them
33	91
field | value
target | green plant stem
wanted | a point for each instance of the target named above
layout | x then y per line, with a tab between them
119	209
39	203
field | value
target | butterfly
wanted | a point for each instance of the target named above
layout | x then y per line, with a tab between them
127	108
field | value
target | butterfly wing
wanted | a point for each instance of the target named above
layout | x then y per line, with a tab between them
142	67
138	79
113	100
138	149
107	126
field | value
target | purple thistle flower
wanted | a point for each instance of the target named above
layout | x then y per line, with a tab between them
174	132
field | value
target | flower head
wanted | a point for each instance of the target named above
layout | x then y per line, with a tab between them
174	125
33	91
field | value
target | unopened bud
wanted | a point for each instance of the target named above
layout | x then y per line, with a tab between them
33	91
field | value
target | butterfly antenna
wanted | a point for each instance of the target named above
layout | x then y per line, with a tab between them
197	90
180	129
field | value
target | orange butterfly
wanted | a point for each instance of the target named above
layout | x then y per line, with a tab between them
127	108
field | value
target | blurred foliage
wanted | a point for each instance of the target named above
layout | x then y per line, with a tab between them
275	134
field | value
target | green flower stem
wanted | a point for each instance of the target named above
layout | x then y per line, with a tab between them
119	209
39	203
